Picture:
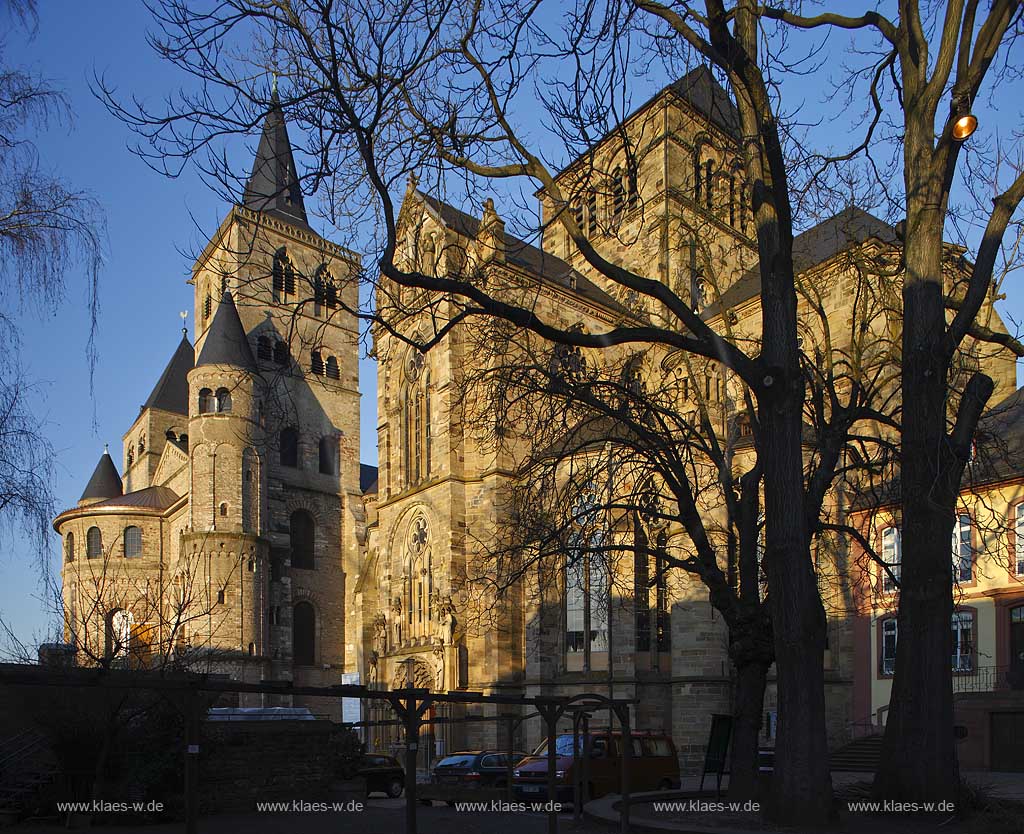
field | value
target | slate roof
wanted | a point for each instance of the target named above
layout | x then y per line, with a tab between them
171	391
526	256
226	342
105	481
700	89
999	442
273	186
151	498
367	478
850	227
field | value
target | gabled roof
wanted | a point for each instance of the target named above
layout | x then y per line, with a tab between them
171	391
851	227
105	481
226	342
367	478
273	186
999	442
526	256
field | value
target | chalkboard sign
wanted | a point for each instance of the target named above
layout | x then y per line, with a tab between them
717	756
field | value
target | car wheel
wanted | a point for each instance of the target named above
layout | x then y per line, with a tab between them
395	788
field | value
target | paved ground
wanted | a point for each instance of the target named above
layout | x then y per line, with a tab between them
378	816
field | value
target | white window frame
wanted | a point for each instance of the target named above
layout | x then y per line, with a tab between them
962	658
888	664
1018	543
961	550
892	554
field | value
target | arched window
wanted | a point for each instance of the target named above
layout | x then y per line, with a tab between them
618	197
93	543
281	353
318	291
119	634
302	538
132	542
290	446
415	419
223	400
326	455
207	307
130	457
332	368
316	364
223	509
142	444
207	404
331	294
587	589
304	634
69	548
283	275
264	349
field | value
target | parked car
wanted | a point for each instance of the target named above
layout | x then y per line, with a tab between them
383	774
474	769
655	766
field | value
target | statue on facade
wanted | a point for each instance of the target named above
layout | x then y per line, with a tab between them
380	635
439	666
371	671
446	621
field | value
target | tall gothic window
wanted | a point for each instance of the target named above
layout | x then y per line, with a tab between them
119	634
586	589
419	581
415	419
132	542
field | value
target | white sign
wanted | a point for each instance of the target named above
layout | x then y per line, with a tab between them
351	711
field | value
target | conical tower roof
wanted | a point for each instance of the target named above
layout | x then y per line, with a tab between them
105	482
273	187
226	342
171	391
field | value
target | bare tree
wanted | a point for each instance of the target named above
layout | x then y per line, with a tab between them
47	231
385	89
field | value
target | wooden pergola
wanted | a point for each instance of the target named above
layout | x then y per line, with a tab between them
409	705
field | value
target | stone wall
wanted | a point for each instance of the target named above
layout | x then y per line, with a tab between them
249	761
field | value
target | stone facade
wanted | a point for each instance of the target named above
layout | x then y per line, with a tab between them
231	541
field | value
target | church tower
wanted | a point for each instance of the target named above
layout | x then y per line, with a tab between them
276	334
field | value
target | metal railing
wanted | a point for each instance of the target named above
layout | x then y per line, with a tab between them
983	679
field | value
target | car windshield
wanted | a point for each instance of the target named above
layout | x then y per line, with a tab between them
563	746
456	761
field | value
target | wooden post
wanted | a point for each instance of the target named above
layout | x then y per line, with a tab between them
550	714
627	764
510	728
191	761
577	767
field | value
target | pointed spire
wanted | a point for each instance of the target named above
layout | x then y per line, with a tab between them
105	482
226	342
273	186
171	391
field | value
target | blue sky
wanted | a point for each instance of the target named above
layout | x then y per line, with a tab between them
153	222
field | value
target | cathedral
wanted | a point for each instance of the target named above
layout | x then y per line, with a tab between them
239	529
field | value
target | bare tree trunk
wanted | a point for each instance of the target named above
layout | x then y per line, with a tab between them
801	783
919	754
751	678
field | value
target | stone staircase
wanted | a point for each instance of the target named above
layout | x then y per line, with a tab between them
26	767
860	755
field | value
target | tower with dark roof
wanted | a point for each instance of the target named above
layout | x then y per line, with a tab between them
242	482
